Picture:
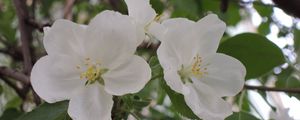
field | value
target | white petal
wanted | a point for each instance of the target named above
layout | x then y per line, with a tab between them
181	39
226	75
141	10
210	30
175	49
111	38
140	34
46	30
157	30
168	57
174	81
64	37
205	105
177	23
130	77
92	103
187	38
54	79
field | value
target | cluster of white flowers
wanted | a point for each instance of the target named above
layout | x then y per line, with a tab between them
88	64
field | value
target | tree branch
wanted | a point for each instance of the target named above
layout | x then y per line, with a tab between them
19	91
37	25
68	9
26	33
4	71
263	88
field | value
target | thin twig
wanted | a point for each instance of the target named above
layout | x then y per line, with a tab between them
263	88
37	25
135	115
26	33
4	71
18	90
68	9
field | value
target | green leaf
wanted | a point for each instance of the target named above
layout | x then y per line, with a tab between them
283	77
178	102
231	16
241	116
264	28
1	89
185	8
157	5
297	39
15	102
264	10
56	111
7	16
156	69
256	52
10	114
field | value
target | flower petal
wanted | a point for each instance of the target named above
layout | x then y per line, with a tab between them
205	105
202	37
130	77
141	10
111	38
210	30
226	75
168	58
157	30
174	81
54	79
64	37
182	45
92	103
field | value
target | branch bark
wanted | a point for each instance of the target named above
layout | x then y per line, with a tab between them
4	71
263	88
68	9
26	33
21	92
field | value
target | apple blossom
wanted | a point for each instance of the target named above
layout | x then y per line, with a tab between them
193	68
146	17
89	64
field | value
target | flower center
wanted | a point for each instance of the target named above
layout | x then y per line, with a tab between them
92	72
196	69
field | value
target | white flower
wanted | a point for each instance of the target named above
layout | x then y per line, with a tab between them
89	64
193	68
281	114
145	16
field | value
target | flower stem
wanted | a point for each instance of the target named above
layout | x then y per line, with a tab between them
135	116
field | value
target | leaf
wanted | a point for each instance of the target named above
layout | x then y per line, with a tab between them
185	8
264	28
263	10
231	16
178	102
156	69
284	77
1	89
241	116
46	111
7	16
15	102
256	52
10	114
297	39
157	5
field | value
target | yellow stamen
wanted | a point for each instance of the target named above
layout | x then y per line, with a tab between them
194	70
92	72
197	71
